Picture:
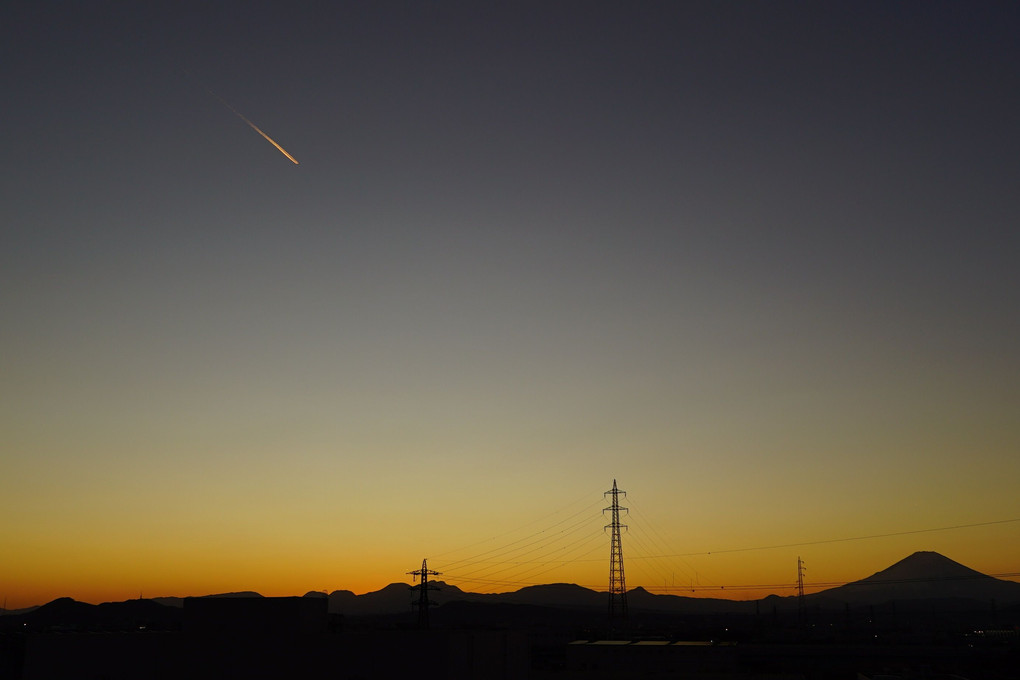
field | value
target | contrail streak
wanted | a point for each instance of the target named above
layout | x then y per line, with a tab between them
253	126
268	138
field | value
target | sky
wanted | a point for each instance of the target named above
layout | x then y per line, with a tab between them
757	262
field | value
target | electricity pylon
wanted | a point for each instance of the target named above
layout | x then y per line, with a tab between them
800	587
617	584
423	589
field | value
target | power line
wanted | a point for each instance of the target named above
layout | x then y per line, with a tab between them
834	540
661	545
502	550
831	584
490	567
587	552
523	526
530	582
541	542
514	565
753	586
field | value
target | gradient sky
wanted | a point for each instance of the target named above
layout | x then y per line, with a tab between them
756	261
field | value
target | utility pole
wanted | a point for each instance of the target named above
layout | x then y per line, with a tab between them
617	584
423	589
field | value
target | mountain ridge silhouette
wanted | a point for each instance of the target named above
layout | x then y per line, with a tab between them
922	576
925	575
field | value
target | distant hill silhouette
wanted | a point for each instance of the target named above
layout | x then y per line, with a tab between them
563	595
71	614
396	598
922	577
179	601
640	599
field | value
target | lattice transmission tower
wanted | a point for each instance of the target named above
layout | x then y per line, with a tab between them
800	587
423	589
617	583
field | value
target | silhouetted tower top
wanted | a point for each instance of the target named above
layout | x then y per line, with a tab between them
617	583
423	589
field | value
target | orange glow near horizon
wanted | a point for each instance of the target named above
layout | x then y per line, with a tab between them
526	254
154	566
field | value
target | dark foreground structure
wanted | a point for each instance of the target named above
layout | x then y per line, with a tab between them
456	655
594	660
263	638
174	656
297	638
